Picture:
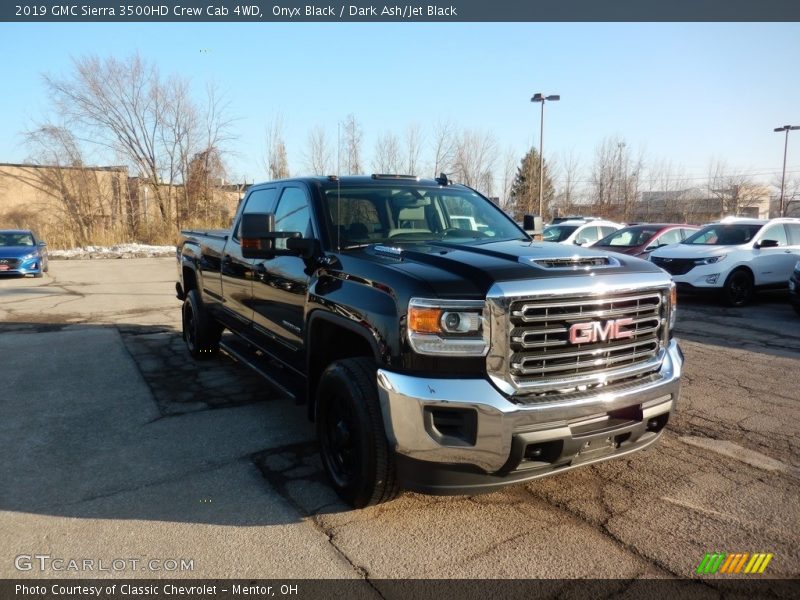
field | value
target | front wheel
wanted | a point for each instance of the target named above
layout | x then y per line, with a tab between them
201	331
352	439
738	288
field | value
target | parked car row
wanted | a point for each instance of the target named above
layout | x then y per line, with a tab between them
734	257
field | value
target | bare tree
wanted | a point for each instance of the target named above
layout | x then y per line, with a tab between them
444	148
791	194
85	204
615	179
277	162
151	122
319	156
351	146
566	168
386	157
733	192
509	172
413	149
474	157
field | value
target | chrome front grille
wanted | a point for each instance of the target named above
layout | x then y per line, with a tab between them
615	335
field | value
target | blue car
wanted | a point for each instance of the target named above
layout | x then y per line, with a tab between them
22	253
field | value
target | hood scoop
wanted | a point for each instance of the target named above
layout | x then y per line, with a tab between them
571	263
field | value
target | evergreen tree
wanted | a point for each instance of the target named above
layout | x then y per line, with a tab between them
524	193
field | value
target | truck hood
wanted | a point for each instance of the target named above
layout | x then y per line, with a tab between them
467	269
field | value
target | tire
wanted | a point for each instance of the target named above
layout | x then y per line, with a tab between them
352	440
200	331
738	289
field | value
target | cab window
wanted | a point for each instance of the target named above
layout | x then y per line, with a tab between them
259	201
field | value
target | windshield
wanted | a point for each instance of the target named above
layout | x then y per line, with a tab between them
723	235
16	239
629	237
363	215
558	233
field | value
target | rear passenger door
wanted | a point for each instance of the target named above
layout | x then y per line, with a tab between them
774	265
280	284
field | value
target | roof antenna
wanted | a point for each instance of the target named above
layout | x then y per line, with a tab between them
338	187
442	179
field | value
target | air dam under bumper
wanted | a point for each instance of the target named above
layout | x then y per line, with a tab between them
456	436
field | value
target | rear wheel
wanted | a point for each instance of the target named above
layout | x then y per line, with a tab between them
352	439
738	288
201	331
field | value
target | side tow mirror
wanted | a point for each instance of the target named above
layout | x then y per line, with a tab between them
260	240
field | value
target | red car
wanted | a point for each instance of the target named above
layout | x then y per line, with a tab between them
641	240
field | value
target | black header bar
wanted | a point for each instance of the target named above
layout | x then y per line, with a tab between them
416	11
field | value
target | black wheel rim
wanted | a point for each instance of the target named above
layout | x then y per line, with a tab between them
188	327
340	441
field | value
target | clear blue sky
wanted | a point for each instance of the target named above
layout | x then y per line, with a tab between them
685	93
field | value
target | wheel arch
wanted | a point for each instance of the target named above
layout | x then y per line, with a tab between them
330	337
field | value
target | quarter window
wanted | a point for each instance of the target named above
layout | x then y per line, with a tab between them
794	233
776	232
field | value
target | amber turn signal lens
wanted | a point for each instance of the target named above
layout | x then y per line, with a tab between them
424	320
673	296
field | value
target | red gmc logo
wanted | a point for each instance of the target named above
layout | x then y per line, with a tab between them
595	331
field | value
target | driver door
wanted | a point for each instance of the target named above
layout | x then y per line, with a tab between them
280	284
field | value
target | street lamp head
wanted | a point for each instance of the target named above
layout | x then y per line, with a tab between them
787	128
541	97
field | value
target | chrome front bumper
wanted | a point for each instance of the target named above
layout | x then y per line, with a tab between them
577	420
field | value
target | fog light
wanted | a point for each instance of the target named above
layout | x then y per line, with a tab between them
712	278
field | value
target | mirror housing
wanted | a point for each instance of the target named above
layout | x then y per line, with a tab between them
766	244
581	241
42	244
260	240
532	225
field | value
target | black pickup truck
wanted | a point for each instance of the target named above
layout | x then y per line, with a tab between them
438	347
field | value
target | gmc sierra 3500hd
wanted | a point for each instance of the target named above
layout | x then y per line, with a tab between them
434	355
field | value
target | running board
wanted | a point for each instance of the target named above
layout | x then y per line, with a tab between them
242	352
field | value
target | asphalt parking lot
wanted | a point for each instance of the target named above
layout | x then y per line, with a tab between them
118	446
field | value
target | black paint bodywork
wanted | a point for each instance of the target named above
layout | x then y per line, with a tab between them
365	291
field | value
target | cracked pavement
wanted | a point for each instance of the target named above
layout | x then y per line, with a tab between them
121	445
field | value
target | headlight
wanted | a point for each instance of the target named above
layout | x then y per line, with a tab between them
31	255
710	260
449	327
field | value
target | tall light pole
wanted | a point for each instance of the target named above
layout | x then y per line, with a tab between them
542	98
787	129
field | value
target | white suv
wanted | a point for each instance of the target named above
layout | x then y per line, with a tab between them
734	256
579	231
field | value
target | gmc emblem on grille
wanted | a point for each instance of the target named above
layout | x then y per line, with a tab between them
595	331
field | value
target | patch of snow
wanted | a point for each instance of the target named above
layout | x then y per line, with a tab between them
116	251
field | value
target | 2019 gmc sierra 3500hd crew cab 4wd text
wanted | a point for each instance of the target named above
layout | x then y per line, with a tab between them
432	356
